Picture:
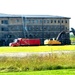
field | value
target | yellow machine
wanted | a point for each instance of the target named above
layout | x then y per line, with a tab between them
51	42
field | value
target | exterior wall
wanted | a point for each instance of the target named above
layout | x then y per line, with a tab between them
2	19
43	28
15	21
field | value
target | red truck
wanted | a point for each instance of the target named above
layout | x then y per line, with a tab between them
25	42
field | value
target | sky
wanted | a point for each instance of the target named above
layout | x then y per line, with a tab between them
40	7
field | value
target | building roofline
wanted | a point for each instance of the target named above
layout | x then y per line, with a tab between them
32	16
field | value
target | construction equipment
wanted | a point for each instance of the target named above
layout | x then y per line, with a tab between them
61	39
25	42
52	42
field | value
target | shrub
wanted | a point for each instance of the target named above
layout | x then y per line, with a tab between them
12	69
58	67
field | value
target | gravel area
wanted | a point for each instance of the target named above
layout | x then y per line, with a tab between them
23	54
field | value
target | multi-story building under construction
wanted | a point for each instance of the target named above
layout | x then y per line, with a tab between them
31	26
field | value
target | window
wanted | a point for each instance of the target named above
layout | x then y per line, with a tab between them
66	28
29	28
47	21
27	21
40	21
44	28
32	21
30	36
26	36
54	21
2	29
48	28
36	21
51	21
17	20
36	28
58	21
9	36
65	21
40	28
4	22
62	21
17	28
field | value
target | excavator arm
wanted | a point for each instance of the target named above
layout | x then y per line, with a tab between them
62	38
73	31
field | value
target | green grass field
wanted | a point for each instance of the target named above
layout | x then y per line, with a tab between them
73	41
36	48
72	38
48	72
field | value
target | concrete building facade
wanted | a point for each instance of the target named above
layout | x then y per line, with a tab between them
31	26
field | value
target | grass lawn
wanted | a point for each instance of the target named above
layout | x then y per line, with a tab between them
48	72
73	41
36	48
